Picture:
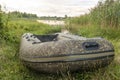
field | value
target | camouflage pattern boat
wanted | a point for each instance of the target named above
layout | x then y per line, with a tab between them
64	52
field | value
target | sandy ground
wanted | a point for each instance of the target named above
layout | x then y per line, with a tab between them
51	22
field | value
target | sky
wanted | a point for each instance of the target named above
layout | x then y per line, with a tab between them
50	7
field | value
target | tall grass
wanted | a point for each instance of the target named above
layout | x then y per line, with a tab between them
106	13
1	22
103	20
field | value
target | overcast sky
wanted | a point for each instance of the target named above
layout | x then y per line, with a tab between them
50	7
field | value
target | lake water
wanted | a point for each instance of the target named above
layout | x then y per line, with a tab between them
51	22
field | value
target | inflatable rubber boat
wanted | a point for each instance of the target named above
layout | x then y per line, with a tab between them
62	52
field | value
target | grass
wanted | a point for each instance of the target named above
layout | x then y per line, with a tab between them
12	69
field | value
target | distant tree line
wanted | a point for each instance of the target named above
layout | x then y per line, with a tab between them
53	17
17	14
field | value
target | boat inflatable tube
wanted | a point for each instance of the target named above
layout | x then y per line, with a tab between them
62	52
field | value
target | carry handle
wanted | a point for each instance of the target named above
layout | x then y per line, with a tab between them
90	45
